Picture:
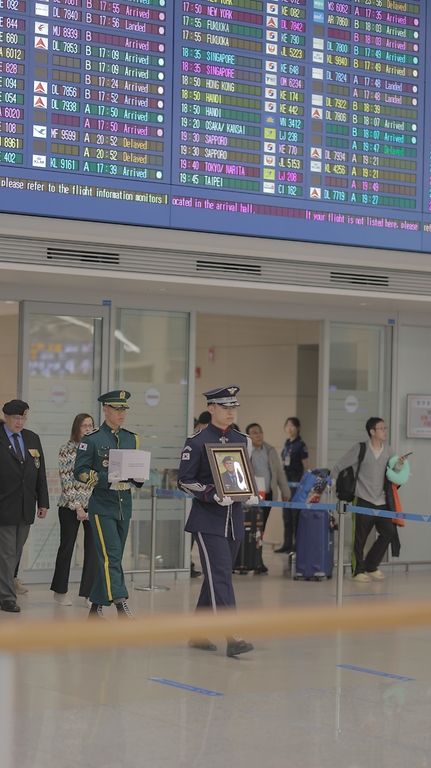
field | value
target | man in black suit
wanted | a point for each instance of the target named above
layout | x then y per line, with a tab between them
22	486
229	477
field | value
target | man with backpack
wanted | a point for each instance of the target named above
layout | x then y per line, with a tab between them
369	462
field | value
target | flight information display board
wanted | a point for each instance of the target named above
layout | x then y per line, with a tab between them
296	119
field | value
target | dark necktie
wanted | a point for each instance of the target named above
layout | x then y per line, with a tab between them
18	448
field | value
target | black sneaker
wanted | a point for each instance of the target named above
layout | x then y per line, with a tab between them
203	643
96	611
237	645
123	610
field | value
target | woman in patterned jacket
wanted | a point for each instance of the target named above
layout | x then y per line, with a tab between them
72	511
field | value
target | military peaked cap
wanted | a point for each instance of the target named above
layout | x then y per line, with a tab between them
116	399
223	396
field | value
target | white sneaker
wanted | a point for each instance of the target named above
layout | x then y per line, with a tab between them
377	574
88	603
62	599
20	588
361	577
123	610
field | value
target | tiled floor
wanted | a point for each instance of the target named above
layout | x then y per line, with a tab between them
285	705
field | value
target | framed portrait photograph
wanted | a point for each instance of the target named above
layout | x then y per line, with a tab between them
232	471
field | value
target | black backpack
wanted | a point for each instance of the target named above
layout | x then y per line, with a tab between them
346	480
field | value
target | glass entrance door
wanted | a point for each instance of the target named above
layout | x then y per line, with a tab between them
63	370
360	370
152	362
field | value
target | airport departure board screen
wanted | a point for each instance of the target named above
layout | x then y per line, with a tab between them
296	119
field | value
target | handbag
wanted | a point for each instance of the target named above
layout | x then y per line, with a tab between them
313	480
346	481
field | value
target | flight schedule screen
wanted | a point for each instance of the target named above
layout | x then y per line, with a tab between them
296	119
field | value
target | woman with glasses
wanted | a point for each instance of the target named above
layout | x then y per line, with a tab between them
72	510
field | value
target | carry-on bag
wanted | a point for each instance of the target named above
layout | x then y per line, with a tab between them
314	480
249	557
347	479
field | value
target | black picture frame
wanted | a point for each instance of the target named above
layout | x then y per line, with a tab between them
235	478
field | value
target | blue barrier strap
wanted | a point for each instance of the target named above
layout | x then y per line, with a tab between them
168	494
388	513
296	505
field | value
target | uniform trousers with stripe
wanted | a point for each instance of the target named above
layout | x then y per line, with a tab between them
217	555
110	539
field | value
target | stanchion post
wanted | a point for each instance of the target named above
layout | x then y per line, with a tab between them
341	509
151	585
153	536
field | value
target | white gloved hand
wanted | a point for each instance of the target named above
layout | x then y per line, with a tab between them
113	477
140	479
252	501
224	502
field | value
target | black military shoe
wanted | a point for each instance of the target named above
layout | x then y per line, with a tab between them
10	606
237	645
203	643
284	550
96	611
123	610
194	574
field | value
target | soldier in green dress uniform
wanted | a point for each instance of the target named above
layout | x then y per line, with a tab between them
110	505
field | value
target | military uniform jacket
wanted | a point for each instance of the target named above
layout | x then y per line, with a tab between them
22	486
195	477
91	468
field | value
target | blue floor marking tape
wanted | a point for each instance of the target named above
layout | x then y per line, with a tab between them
374	672
185	687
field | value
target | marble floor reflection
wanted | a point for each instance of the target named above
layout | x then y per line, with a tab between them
288	704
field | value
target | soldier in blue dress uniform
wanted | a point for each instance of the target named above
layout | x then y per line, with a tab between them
217	524
110	504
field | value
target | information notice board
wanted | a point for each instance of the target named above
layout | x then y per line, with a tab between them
419	416
297	119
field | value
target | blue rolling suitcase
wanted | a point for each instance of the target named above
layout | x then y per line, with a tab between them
315	545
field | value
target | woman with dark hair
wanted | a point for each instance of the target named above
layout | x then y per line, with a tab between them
295	461
72	511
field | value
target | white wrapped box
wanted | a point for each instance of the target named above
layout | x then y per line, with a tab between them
127	463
